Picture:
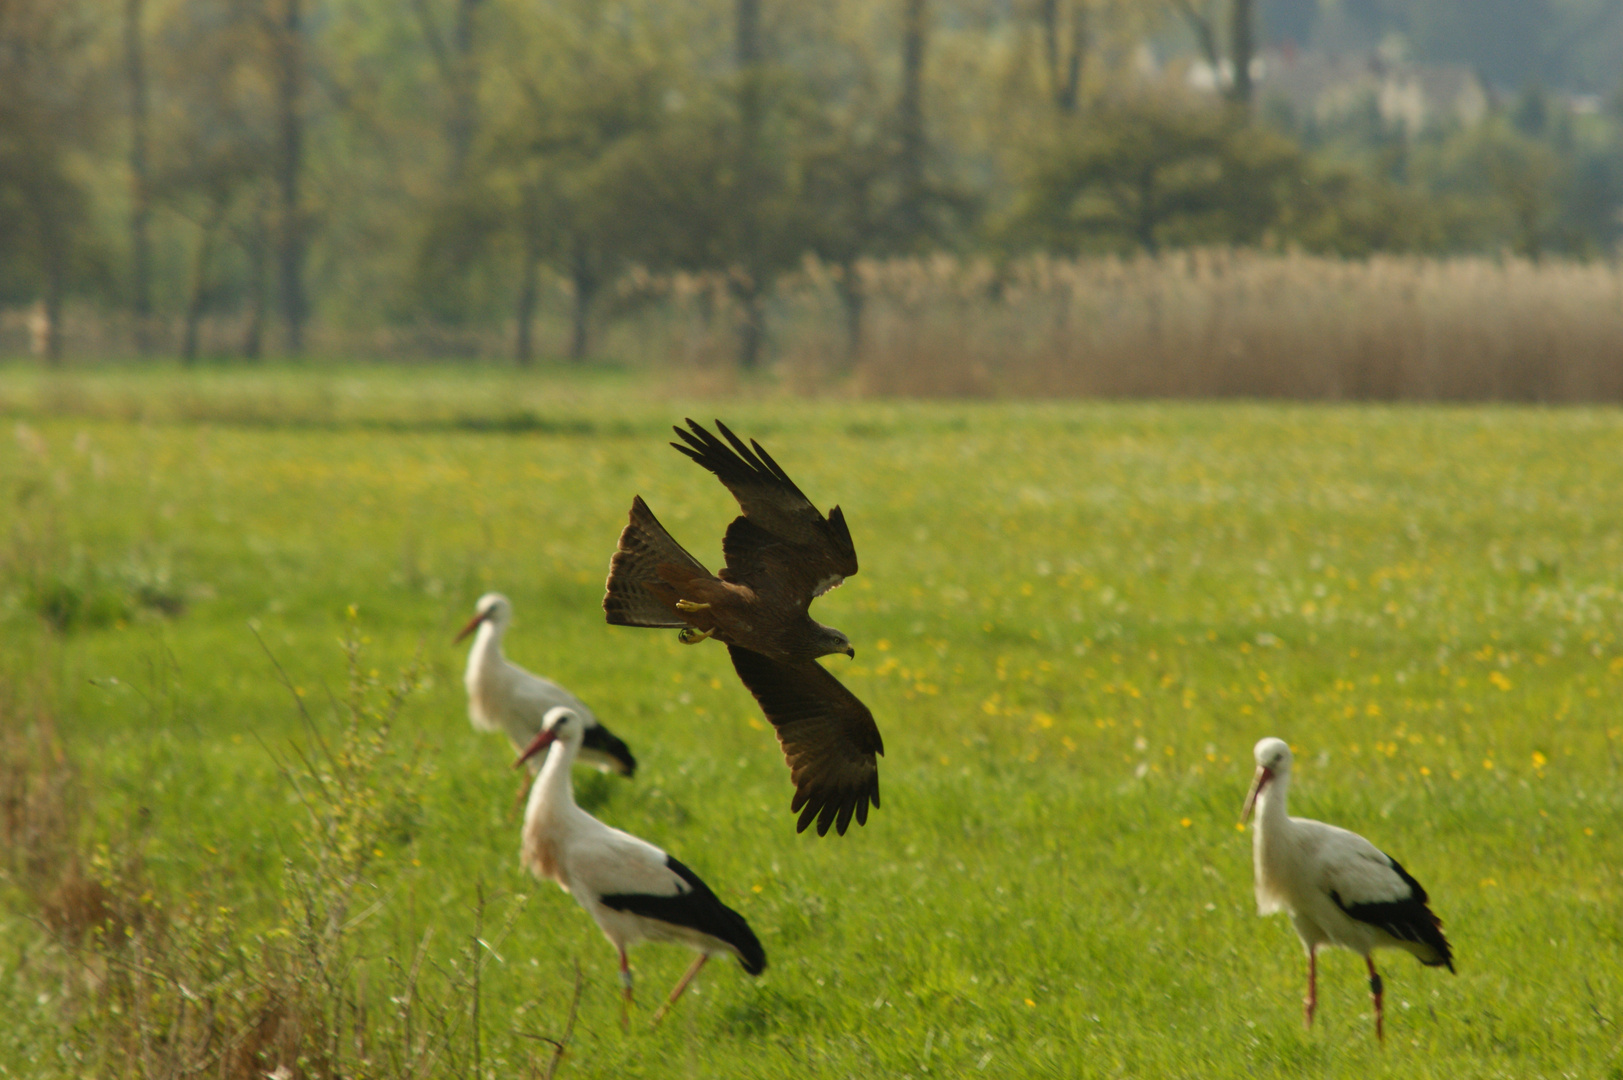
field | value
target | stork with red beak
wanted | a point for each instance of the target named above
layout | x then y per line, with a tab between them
633	890
1338	888
504	697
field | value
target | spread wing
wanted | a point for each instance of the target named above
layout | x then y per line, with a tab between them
782	538
829	738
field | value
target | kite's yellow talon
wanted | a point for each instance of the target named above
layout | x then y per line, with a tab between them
689	605
692	635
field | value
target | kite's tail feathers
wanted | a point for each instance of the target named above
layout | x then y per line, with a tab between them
647	558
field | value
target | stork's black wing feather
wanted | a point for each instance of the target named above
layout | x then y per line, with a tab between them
1407	918
699	909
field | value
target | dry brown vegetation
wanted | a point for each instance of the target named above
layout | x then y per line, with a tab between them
166	978
1191	324
1230	324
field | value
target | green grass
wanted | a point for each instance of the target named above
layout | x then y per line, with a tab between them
1072	623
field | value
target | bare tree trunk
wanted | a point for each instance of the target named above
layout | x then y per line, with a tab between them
910	119
52	229
140	177
751	323
464	121
1147	212
1242	48
853	302
529	285
587	281
258	252
53	318
1064	60
202	264
54	245
750	117
290	168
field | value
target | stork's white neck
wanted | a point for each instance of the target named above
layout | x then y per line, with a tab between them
1271	814
487	642
485	659
548	816
554	790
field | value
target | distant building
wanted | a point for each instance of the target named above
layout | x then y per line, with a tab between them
1325	87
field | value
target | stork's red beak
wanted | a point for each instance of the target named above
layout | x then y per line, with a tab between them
540	743
473	624
1261	781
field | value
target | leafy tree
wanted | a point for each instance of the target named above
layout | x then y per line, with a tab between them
1148	171
50	90
559	135
215	153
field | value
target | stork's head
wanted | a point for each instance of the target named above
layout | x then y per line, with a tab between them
1273	764
561	724
493	608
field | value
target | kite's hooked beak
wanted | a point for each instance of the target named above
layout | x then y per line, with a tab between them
1264	774
473	624
851	651
541	742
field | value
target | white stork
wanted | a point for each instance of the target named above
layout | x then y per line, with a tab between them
504	697
1338	887
631	888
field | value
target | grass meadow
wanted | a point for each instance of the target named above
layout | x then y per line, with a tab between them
1072	622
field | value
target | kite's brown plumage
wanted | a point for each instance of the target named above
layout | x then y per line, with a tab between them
781	554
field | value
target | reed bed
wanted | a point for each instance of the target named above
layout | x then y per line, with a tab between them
1218	324
1213	323
1193	324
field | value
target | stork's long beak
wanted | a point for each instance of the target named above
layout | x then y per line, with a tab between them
541	742
473	624
1257	784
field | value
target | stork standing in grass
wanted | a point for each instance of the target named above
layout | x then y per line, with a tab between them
504	697
1338	887
631	888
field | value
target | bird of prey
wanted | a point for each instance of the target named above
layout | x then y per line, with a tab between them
781	554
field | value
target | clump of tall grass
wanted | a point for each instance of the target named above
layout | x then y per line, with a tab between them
60	580
198	977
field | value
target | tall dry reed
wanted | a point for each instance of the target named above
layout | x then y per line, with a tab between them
1188	324
1233	324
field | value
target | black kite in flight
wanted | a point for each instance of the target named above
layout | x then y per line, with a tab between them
781	555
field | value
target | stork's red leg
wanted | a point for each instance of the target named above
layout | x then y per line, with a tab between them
1312	1000
681	985
625	991
1375	988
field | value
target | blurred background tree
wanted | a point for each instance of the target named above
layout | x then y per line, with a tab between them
429	172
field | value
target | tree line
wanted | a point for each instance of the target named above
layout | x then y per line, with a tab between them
442	162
